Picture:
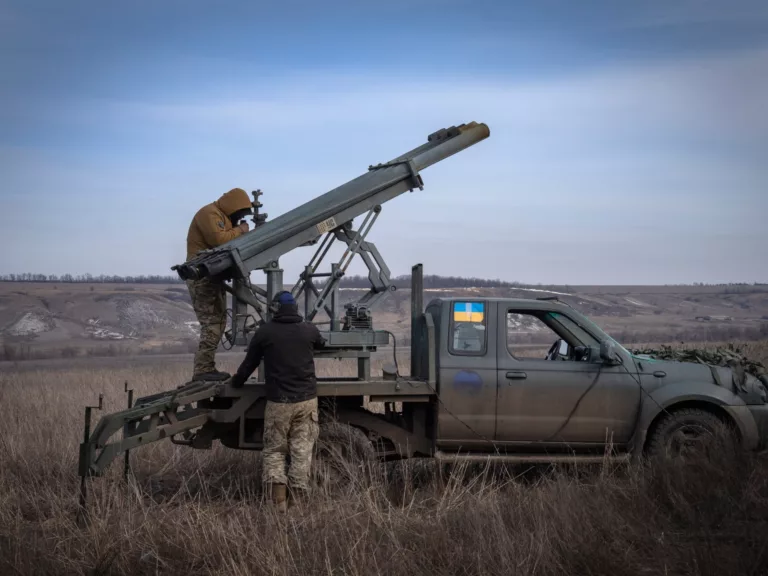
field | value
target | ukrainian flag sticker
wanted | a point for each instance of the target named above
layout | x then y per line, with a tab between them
468	311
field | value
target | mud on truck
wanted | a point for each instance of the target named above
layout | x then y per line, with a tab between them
477	386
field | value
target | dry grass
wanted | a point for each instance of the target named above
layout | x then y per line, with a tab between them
195	512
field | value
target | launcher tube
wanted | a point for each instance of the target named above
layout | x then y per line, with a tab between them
290	230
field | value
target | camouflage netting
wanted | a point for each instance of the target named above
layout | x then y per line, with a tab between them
730	357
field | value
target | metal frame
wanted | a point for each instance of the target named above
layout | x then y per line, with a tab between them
197	413
188	412
189	415
316	299
330	215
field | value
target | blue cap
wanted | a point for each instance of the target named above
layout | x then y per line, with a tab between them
286	298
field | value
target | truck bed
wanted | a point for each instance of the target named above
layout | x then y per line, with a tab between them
192	406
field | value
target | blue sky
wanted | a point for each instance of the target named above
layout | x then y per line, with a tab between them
629	141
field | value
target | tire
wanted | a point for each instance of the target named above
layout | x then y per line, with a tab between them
343	454
681	431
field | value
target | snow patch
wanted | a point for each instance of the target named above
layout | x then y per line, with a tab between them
523	323
95	330
32	324
637	302
546	291
137	314
193	327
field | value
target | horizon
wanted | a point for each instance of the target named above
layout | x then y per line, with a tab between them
628	146
151	279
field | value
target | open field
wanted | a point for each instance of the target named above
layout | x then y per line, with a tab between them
70	320
201	512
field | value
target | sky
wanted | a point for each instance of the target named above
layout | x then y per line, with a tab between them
629	140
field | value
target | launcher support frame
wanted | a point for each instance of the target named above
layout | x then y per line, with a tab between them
330	215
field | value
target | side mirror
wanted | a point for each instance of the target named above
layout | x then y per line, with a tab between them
563	348
608	353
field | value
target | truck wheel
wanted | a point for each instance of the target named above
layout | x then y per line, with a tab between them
343	454
683	431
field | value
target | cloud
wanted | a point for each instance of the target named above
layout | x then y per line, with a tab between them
624	175
686	12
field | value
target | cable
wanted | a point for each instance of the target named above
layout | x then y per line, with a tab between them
640	404
224	341
576	406
394	351
562	426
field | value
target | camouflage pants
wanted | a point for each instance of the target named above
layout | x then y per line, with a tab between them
210	305
289	429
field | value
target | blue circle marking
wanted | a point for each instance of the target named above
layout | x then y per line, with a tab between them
468	382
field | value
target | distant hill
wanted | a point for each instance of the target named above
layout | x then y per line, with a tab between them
49	318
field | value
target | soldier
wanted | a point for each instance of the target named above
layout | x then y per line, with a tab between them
286	344
213	225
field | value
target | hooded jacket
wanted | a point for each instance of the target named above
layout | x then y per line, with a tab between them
211	225
286	345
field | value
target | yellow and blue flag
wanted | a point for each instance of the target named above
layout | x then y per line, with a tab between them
468	311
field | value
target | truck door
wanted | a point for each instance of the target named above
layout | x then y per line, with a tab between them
540	385
467	375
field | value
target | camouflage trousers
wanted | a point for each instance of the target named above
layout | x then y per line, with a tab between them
289	429
210	304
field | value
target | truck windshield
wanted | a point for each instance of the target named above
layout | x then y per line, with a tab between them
586	331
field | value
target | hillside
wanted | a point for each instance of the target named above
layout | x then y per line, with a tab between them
72	319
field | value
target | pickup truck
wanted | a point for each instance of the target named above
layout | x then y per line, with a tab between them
511	379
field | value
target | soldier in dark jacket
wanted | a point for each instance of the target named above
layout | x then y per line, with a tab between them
286	345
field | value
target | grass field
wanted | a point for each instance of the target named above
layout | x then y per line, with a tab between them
201	512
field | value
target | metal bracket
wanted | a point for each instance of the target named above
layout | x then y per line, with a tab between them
415	176
85	449
378	273
258	219
242	271
127	430
553	299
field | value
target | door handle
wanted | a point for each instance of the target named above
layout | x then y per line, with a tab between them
516	375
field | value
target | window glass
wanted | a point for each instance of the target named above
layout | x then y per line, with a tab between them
468	323
584	337
528	337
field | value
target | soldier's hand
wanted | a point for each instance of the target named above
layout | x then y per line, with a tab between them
244	226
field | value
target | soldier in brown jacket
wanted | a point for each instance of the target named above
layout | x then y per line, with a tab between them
213	225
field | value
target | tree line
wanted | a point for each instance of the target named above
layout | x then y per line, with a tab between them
355	281
403	281
90	279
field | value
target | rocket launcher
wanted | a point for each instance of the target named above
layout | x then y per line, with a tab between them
329	215
196	413
304	224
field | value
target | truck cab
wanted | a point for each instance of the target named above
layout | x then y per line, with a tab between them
528	375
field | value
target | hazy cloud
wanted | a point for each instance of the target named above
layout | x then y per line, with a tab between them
637	171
